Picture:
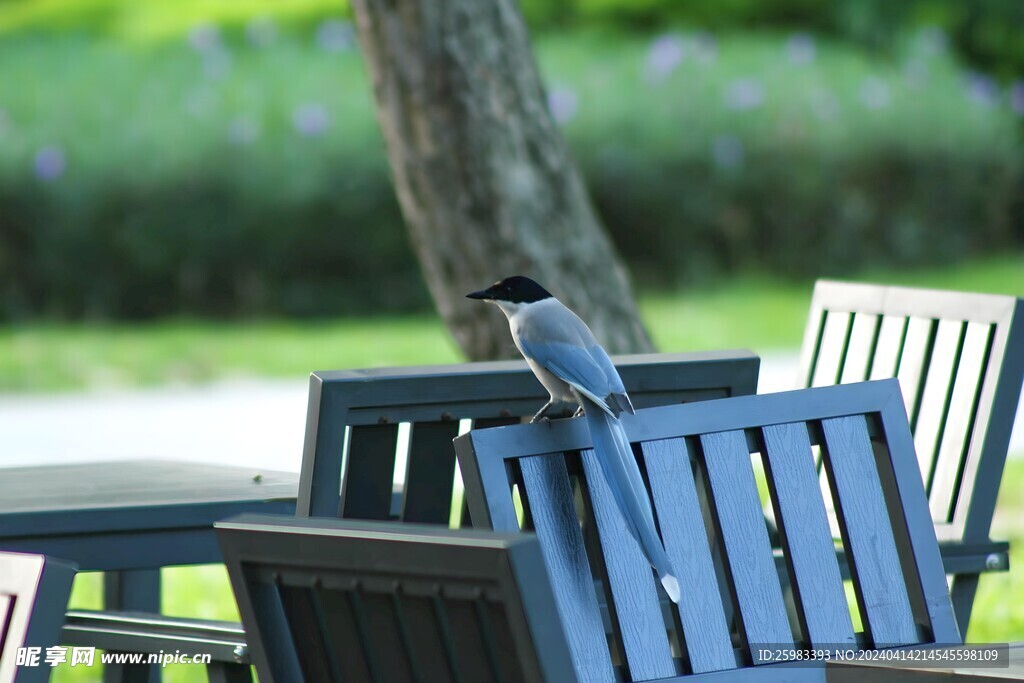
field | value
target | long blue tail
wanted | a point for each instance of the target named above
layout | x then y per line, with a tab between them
627	486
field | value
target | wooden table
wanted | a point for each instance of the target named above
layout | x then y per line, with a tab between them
131	518
893	672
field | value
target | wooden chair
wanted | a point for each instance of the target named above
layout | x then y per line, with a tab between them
34	591
352	423
353	420
960	361
331	600
703	450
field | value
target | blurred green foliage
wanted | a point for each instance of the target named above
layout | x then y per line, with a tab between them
218	157
242	172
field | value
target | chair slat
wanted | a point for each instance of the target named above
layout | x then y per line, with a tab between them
701	613
475	663
342	628
381	619
888	346
631	581
914	362
298	605
430	472
427	649
931	419
860	348
370	472
803	522
551	506
832	350
963	409
746	544
867	532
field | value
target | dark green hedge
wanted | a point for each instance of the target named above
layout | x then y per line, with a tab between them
130	187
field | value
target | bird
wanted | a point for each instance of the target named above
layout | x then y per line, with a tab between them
569	362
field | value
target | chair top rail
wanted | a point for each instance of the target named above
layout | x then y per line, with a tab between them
857	297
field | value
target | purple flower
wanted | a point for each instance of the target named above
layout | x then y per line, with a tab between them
744	94
563	103
243	131
335	35
982	90
1017	97
727	151
311	119
204	38
664	55
875	93
50	163
801	49
261	31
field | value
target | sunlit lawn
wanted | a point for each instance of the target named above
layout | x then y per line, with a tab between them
753	312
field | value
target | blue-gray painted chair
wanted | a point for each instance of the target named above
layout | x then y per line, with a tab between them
544	479
335	600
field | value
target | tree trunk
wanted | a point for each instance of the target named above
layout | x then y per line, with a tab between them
484	178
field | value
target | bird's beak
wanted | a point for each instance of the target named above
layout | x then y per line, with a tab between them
483	295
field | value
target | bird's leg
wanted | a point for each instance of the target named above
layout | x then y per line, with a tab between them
542	412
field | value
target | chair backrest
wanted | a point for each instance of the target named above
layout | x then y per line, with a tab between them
960	361
721	552
352	423
333	600
34	592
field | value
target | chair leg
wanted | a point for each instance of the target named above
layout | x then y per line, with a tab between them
224	672
962	592
132	591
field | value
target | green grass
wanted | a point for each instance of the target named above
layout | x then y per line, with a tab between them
756	312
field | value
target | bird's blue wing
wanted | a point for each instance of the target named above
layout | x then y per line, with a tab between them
574	365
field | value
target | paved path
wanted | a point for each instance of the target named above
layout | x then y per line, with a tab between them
255	423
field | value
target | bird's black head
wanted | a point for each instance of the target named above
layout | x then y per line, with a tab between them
516	289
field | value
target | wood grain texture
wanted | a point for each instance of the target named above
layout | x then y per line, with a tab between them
914	362
554	517
832	349
807	540
745	539
938	387
369	473
860	348
888	346
705	630
867	532
631	581
960	421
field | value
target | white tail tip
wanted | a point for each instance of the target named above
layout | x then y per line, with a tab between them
671	587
